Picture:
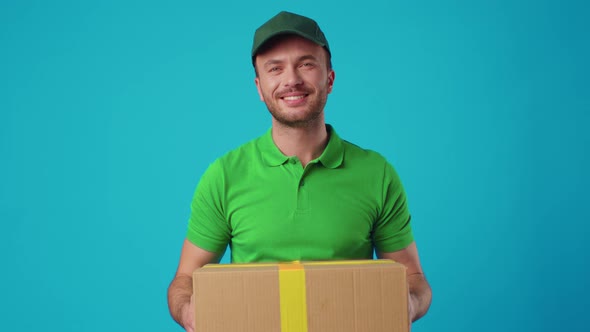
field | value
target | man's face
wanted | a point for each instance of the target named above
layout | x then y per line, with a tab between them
294	81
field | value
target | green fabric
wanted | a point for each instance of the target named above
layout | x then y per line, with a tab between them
268	208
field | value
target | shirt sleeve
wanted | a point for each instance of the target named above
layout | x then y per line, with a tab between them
392	230
207	226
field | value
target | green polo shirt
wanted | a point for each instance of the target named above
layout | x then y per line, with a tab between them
267	207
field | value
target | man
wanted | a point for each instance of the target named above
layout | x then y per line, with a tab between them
299	192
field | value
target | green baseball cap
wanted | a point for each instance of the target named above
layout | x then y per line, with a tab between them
289	23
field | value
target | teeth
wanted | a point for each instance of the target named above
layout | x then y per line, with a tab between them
293	97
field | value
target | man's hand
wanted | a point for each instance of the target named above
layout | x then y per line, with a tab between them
188	316
419	292
180	292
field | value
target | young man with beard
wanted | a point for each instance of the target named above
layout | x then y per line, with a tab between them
299	192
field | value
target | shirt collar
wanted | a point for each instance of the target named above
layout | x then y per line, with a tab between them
331	157
271	155
334	152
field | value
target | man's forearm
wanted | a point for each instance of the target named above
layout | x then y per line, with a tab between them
179	296
420	295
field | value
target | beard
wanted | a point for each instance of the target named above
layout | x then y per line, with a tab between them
298	118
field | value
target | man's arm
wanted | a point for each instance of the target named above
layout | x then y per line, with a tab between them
420	294
180	290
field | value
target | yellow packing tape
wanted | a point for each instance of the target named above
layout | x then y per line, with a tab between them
293	299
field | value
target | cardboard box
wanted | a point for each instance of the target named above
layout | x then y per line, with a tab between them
339	296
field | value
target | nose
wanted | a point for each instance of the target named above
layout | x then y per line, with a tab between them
292	77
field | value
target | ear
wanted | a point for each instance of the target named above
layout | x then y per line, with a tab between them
257	82
331	77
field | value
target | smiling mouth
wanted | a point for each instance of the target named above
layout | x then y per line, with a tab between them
290	98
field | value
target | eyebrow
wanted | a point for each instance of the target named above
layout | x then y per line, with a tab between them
272	62
307	57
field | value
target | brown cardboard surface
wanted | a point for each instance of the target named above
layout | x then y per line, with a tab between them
347	296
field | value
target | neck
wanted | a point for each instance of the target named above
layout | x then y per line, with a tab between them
307	143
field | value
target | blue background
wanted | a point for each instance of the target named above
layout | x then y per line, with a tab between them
111	110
